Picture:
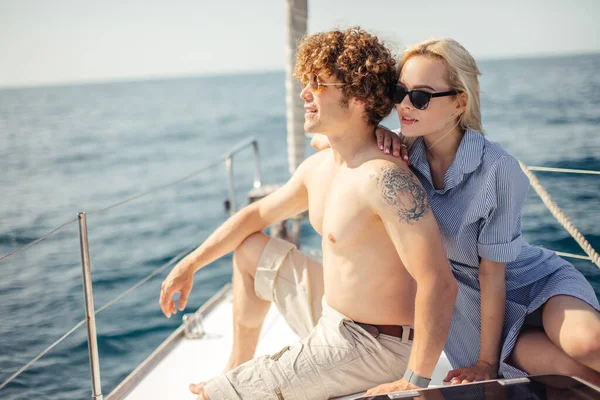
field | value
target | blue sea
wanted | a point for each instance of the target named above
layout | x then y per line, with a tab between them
66	149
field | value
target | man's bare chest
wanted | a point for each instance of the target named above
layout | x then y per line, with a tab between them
338	209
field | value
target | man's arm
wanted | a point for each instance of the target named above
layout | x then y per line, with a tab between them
287	201
401	202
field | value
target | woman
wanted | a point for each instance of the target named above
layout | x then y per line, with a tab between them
520	308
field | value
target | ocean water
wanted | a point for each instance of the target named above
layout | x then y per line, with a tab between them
85	147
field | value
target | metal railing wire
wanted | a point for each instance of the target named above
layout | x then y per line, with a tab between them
564	170
88	295
28	245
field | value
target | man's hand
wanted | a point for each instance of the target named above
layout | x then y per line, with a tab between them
396	386
482	371
180	279
389	142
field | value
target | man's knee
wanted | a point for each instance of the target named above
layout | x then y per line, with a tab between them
247	254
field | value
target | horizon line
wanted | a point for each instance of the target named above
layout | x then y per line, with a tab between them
209	74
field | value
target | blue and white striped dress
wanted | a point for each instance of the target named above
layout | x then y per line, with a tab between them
479	215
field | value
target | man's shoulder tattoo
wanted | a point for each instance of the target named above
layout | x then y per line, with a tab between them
401	190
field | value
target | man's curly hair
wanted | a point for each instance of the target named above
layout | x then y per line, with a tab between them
356	58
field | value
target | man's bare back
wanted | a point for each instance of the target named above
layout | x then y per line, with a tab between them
364	277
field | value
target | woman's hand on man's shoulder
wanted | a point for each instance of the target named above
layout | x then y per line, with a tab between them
390	143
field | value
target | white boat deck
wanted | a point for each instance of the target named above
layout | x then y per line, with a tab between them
188	361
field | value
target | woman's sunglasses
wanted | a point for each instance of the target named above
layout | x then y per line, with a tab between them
419	98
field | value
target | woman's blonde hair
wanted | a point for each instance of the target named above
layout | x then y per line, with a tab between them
461	73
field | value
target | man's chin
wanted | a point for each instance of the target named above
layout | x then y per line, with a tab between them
309	128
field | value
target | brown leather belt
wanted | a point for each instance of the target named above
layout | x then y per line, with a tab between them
391	330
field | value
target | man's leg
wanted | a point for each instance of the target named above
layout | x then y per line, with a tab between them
336	358
248	310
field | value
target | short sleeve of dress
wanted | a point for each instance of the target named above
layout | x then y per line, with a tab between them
500	235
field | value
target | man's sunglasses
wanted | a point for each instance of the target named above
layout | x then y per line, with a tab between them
317	86
419	98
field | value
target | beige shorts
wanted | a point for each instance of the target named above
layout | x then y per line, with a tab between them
334	357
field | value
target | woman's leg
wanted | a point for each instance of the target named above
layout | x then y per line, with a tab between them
536	354
574	326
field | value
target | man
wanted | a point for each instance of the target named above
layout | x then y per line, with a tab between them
384	266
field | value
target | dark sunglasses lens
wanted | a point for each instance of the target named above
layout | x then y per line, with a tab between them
420	99
399	94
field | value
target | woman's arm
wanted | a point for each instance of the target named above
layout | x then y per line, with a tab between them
499	243
493	297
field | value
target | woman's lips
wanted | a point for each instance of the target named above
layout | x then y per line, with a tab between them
407	121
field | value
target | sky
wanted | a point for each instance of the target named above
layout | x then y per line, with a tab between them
70	41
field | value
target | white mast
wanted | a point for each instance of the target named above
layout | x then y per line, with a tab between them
296	15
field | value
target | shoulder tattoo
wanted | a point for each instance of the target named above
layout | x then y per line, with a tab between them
401	190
